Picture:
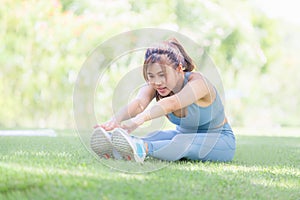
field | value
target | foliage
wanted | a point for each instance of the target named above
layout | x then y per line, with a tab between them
46	42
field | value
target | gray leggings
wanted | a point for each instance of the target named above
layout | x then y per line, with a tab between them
171	145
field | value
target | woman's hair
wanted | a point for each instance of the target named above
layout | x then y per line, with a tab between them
169	52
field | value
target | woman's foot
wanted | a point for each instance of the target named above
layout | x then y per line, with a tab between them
101	144
129	147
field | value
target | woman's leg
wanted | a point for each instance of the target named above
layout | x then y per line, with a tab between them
161	135
212	147
218	146
159	139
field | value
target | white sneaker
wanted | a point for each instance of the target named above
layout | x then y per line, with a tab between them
128	146
101	144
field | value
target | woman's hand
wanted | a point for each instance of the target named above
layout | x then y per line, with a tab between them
109	125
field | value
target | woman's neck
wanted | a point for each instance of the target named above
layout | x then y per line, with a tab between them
180	83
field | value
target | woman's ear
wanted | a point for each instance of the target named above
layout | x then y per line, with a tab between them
179	68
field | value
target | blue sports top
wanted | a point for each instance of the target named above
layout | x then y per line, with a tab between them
198	118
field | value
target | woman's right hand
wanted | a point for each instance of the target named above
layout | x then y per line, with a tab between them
109	125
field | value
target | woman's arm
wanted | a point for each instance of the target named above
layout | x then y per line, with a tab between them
136	106
195	89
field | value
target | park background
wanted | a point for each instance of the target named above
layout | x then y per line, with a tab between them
45	43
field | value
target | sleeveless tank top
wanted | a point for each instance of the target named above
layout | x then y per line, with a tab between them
198	118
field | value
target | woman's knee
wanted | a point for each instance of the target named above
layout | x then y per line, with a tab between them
161	135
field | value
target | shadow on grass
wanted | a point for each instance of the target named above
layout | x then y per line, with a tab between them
61	168
181	180
268	151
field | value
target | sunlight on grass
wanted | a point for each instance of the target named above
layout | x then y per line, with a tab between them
150	165
288	184
61	168
228	167
273	176
49	170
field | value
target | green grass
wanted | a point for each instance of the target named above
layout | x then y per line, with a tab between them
62	168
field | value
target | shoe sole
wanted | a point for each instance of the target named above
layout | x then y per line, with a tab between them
123	146
101	144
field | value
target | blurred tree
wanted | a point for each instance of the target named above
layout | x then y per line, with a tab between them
45	43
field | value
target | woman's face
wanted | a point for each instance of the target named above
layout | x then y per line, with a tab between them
164	79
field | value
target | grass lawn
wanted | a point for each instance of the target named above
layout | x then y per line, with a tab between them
62	168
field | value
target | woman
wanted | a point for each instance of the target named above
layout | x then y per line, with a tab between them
186	98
